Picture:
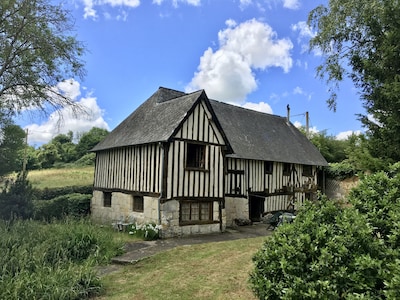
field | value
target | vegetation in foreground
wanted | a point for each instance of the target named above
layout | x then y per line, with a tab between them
337	250
53	261
205	271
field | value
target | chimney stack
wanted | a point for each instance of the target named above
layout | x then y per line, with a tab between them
288	113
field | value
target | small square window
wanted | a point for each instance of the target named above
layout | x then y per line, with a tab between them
107	199
286	169
268	167
138	204
195	156
307	170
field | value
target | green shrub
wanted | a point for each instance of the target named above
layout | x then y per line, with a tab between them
75	205
378	197
341	170
53	261
328	252
16	199
86	160
51	193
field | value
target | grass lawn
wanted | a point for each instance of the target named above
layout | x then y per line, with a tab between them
50	178
205	271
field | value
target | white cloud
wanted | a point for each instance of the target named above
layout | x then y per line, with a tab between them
291	4
262	107
346	134
90	11
66	120
227	73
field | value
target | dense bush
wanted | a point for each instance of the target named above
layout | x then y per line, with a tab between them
51	193
16	199
341	170
53	261
337	251
76	205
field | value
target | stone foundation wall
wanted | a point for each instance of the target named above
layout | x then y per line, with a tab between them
236	208
122	209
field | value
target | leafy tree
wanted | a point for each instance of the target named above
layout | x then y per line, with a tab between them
90	139
360	41
12	139
48	155
65	147
331	148
37	51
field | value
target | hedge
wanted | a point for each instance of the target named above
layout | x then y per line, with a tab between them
75	205
51	193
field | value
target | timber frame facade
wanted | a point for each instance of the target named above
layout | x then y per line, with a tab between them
194	165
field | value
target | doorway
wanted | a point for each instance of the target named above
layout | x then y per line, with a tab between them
256	208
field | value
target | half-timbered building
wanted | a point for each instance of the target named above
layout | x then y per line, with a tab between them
194	165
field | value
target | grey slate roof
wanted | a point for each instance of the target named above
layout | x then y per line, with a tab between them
261	136
153	121
250	134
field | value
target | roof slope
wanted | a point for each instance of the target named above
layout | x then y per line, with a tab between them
154	121
261	136
250	134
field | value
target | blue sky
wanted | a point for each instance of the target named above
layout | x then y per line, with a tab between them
247	52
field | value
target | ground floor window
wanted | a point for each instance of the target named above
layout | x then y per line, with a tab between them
107	199
138	203
192	212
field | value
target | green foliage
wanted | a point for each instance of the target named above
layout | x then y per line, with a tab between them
16	199
73	205
378	197
341	170
51	193
90	139
86	160
328	252
337	251
360	41
38	50
53	261
331	148
12	139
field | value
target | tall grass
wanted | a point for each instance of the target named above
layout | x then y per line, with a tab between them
51	178
53	261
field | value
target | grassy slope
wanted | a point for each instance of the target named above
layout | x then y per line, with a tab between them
206	271
61	177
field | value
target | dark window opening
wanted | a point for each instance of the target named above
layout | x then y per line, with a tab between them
268	167
196	212
195	156
138	203
107	199
307	170
286	169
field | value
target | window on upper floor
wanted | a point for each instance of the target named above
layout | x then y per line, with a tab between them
307	170
268	167
195	156
287	169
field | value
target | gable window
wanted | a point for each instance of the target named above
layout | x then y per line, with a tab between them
107	199
268	167
307	170
286	169
138	203
195	156
192	212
